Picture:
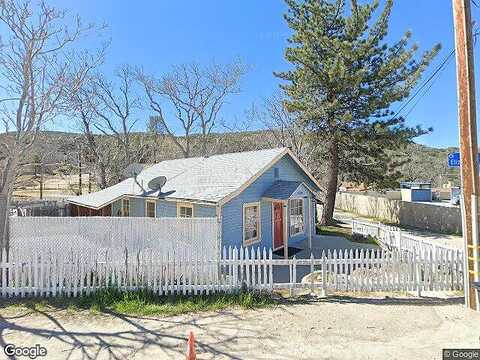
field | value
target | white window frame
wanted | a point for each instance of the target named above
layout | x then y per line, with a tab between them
154	208
259	224
290	215
123	206
184	205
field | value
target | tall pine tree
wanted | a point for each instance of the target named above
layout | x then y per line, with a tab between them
343	81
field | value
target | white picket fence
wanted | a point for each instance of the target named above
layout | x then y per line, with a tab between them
391	237
190	272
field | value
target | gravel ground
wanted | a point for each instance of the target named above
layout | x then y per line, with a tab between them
338	327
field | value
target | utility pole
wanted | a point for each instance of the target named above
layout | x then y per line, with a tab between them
41	181
468	144
89	181
80	170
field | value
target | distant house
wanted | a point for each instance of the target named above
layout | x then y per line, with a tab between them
416	191
262	198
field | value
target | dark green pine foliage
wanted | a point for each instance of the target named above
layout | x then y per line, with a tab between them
343	81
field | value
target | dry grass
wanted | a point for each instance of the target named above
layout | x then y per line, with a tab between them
142	303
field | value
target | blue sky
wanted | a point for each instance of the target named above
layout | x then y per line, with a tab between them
158	34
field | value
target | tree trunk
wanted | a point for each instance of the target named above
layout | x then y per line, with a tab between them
89	182
103	175
204	145
3	221
332	183
80	173
6	189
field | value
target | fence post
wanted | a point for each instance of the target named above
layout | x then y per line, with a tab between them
294	274
270	258
290	277
218	244
324	278
312	269
236	266
418	274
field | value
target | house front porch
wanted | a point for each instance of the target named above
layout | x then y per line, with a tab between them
320	244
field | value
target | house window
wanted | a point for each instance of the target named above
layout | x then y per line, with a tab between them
185	210
125	207
150	208
251	223
296	216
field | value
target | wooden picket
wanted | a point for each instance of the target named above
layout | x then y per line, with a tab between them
391	237
191	273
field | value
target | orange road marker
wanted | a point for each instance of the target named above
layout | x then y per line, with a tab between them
191	347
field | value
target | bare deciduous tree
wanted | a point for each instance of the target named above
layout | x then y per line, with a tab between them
35	73
195	96
36	165
97	149
286	130
114	106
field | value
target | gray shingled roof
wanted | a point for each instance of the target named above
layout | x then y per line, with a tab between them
200	179
281	189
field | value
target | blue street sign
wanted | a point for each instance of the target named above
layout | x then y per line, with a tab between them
454	159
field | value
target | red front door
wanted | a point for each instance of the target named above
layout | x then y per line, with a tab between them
277	225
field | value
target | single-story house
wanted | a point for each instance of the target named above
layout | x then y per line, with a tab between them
264	198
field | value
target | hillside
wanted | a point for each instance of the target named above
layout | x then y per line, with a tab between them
429	163
55	148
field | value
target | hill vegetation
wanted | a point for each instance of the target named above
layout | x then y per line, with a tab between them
61	154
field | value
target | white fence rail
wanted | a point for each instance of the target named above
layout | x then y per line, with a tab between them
189	272
82	234
392	237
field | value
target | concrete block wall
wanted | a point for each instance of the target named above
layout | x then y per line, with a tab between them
426	216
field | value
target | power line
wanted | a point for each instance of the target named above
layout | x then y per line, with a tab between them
425	92
431	79
425	83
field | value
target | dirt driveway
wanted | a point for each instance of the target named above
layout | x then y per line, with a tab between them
330	328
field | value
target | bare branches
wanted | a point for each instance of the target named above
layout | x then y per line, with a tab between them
42	34
286	128
105	111
195	96
35	77
115	104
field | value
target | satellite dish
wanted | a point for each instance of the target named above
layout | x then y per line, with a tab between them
157	182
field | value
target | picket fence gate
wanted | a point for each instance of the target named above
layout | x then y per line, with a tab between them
192	273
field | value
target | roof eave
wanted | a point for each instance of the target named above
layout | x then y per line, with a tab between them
99	206
233	194
266	198
173	199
